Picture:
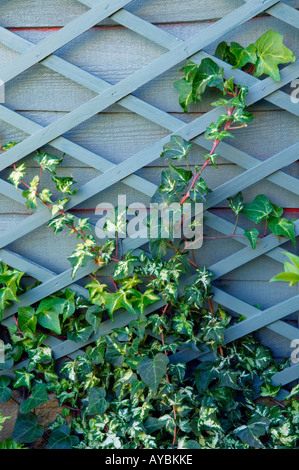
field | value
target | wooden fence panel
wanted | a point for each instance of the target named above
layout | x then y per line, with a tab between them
94	81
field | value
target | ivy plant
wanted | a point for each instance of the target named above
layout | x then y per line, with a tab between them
133	388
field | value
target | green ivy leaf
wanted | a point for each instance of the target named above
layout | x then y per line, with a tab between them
252	236
185	93
250	433
22	378
27	319
152	371
5	392
61	438
243	56
177	148
96	401
27	428
209	74
282	227
38	397
271	52
259	209
48	313
236	203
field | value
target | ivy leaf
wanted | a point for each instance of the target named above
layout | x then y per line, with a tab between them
252	236
96	401
152	371
177	148
5	392
259	209
142	300
209	74
242	115
115	352
27	428
271	52
59	206
48	313
64	184
250	433
224	53
45	196
185	93
59	223
181	173
22	378
243	56
38	397
17	175
228	378
236	203
47	162
80	257
81	333
61	438
282	227
269	390
27	319
30	194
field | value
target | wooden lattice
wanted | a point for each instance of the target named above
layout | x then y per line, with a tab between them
107	95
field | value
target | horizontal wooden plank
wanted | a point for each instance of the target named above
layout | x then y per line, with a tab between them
58	13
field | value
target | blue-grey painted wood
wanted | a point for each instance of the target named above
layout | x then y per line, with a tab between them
60	38
137	79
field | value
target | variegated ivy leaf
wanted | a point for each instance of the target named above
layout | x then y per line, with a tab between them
17	175
10	145
47	162
236	203
80	257
30	194
45	196
64	184
177	148
142	300
209	74
271	52
59	223
59	206
259	209
23	378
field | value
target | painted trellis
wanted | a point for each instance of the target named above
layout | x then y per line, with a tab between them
255	170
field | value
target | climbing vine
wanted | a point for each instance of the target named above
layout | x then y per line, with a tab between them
132	387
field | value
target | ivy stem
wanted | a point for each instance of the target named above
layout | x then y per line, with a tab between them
235	227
